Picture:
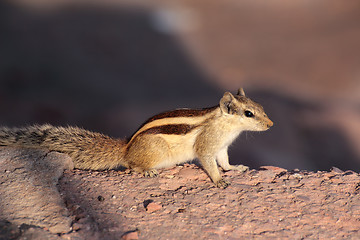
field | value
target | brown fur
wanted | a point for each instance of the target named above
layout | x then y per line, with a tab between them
88	150
166	139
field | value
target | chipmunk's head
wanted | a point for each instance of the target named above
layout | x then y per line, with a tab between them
249	114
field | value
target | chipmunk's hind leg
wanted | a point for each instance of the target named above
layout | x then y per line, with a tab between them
153	150
147	173
151	173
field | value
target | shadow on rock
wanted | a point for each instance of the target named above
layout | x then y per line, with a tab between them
28	188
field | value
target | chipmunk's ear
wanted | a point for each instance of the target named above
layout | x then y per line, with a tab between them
241	92
226	103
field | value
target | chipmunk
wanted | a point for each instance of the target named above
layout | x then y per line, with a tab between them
164	140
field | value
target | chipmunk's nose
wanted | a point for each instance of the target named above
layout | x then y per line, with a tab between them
270	124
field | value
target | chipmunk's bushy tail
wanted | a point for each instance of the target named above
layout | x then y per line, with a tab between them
89	150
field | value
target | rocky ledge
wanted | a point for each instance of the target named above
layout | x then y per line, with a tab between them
43	198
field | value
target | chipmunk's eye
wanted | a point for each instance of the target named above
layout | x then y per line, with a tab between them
249	114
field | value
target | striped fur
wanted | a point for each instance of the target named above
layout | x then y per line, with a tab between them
166	139
178	118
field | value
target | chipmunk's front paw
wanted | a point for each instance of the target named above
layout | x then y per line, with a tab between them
222	183
240	168
151	173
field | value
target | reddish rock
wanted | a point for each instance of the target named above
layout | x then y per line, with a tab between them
130	236
274	169
266	203
153	207
191	173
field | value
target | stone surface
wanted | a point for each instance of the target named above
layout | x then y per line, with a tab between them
153	207
28	189
269	203
130	236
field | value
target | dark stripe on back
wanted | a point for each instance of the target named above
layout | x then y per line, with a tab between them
165	129
177	129
181	113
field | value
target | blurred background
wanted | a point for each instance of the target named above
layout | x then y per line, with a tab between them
109	65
